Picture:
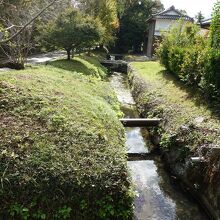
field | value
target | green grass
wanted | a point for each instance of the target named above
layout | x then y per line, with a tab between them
62	146
176	105
87	65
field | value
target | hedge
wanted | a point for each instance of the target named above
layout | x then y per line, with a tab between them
193	62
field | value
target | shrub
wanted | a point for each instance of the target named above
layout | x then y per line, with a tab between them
211	79
215	27
163	54
192	67
176	57
213	68
188	55
174	44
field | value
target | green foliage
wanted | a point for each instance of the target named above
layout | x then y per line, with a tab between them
17	210
70	151
187	55
71	31
181	34
63	213
215	27
175	59
211	79
39	215
106	209
108	16
178	47
106	12
17	39
161	95
192	67
86	65
133	25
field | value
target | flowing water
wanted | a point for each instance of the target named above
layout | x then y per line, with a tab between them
158	197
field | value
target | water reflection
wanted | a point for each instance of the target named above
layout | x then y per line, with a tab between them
157	198
134	141
151	202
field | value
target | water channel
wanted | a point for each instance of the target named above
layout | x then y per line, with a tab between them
158	197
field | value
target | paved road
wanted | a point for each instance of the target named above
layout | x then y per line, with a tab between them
4	69
41	58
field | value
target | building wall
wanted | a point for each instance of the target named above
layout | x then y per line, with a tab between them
163	25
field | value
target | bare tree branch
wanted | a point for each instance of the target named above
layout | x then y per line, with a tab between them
12	27
28	23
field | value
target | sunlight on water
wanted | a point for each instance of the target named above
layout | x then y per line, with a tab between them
134	141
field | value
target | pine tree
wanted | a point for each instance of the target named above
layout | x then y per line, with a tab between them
199	17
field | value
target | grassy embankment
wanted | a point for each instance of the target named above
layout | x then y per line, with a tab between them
189	128
62	151
177	106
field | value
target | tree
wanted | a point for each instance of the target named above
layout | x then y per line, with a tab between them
199	18
133	24
106	12
17	25
21	27
71	31
108	16
17	49
182	11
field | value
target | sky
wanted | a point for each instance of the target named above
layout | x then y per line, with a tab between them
192	7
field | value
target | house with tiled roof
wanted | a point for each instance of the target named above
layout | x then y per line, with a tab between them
162	22
206	23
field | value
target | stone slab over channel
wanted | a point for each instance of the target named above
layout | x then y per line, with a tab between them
140	122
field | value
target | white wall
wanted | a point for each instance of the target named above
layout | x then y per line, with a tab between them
172	13
163	25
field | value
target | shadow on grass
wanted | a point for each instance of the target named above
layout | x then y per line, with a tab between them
95	60
72	65
193	93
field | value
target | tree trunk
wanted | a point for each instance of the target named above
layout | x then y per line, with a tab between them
89	52
68	54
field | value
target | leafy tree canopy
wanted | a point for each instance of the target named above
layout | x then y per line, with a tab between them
106	12
72	30
215	27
